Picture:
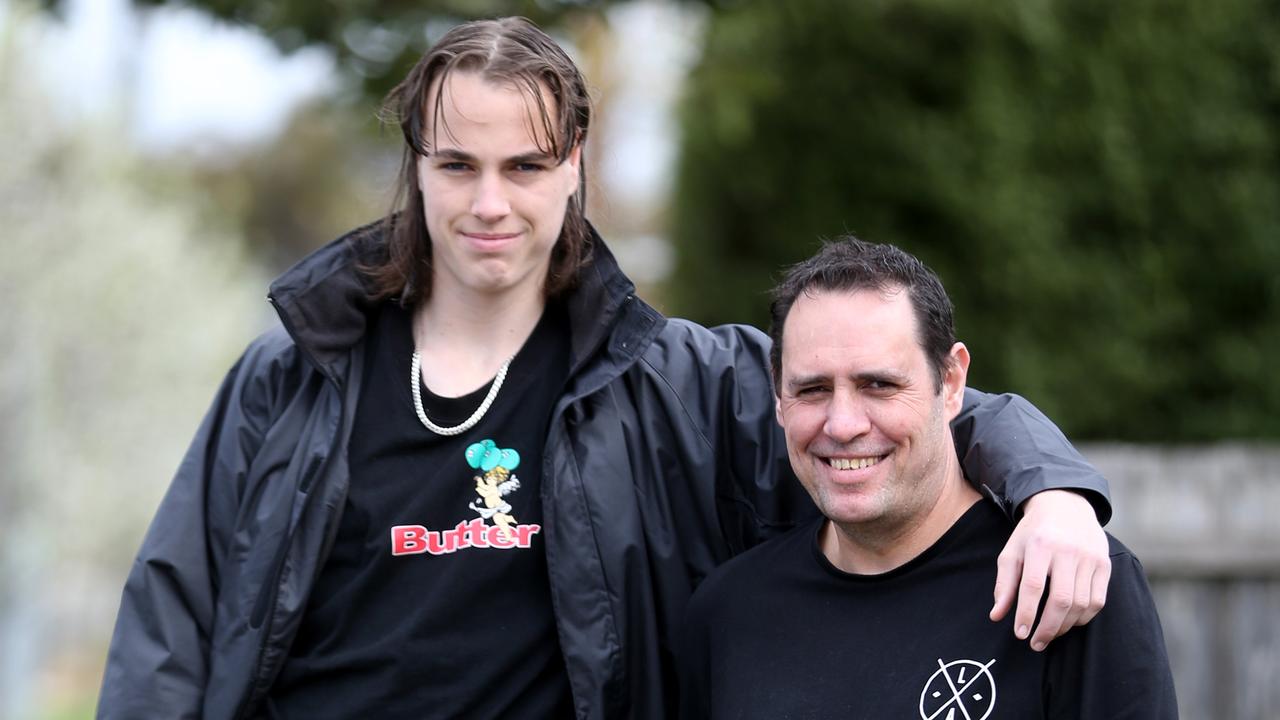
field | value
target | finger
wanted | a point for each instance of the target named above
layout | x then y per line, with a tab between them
1056	616
1035	570
1082	599
1008	572
1098	591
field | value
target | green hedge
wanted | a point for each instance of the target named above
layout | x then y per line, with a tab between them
1097	183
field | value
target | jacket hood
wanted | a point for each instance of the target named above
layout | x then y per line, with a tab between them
324	300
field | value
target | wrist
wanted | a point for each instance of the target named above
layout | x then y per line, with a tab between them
1058	500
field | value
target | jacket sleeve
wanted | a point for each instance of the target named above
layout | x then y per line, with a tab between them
757	495
1012	450
158	659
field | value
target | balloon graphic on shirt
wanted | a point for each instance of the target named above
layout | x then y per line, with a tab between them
496	482
486	455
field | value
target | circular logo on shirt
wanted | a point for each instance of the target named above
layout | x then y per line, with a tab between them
959	689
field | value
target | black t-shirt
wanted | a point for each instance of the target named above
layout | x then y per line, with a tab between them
435	601
779	632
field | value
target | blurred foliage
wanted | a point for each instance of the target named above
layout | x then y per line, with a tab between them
1097	183
326	173
380	40
123	307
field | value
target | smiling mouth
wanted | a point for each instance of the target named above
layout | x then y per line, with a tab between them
854	463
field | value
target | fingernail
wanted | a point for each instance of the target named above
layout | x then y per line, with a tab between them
1037	646
1022	632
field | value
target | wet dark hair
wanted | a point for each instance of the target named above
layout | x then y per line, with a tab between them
847	264
508	50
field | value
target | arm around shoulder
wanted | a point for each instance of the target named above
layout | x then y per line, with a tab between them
1007	445
1058	551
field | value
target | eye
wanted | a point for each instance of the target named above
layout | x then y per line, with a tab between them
880	386
454	166
529	167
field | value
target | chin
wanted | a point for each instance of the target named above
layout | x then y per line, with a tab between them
853	518
849	514
491	281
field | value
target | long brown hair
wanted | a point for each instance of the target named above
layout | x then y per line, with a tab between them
508	50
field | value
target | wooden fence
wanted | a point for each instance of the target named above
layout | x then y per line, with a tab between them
1205	521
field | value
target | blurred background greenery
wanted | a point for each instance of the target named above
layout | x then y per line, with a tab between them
1097	183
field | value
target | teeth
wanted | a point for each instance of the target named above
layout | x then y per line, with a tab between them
853	463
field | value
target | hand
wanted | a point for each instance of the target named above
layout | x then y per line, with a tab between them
1058	539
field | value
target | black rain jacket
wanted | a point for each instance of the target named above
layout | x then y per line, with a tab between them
662	460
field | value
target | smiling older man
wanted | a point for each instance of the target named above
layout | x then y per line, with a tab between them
873	610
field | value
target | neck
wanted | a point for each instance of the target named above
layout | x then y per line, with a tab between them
463	338
881	545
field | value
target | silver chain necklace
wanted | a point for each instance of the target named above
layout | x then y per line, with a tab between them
415	380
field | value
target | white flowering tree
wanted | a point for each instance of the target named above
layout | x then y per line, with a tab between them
119	311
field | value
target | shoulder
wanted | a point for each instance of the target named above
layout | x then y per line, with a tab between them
1119	660
686	351
1125	565
1128	590
1118	549
273	354
731	338
273	346
271	369
1129	619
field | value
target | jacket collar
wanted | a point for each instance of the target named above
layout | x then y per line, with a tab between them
596	303
324	302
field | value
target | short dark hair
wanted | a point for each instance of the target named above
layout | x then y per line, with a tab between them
506	50
847	264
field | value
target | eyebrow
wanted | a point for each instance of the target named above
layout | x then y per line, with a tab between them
805	381
871	375
451	154
461	156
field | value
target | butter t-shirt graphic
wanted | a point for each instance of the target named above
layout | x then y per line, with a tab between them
437	579
493	484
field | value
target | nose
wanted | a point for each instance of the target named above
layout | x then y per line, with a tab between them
847	417
490	202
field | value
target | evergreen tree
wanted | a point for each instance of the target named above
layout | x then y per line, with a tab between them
1097	184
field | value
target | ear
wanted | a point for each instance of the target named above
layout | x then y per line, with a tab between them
574	163
777	410
954	378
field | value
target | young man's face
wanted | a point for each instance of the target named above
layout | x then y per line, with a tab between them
494	202
866	428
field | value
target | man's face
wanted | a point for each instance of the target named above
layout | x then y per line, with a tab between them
866	428
494	202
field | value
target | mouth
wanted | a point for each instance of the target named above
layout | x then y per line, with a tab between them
490	237
854	463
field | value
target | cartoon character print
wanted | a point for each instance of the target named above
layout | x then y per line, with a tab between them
496	481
